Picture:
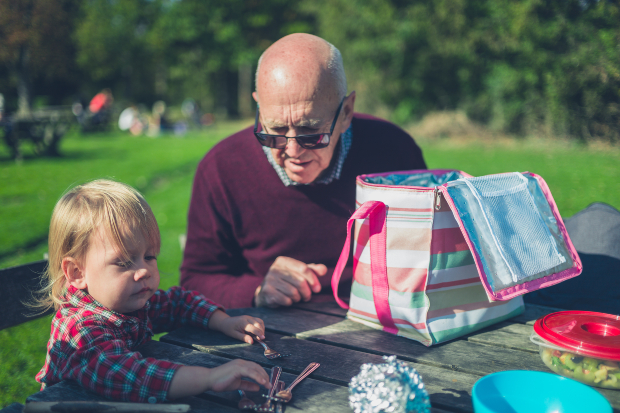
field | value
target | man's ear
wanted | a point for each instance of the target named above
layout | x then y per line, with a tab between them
74	273
255	96
348	109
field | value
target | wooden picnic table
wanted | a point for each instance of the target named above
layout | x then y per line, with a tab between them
319	332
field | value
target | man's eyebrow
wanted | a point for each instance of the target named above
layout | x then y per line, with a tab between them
302	123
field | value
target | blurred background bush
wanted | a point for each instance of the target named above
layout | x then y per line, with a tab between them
520	67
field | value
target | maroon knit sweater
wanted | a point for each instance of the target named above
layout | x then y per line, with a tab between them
242	217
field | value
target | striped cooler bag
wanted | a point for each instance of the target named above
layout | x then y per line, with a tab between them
439	254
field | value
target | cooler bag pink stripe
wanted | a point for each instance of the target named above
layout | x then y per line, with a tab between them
414	273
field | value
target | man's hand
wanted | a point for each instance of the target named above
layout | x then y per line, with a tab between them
289	281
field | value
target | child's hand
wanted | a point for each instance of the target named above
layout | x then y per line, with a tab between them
230	376
193	380
236	327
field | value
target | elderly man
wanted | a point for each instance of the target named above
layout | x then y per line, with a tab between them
267	218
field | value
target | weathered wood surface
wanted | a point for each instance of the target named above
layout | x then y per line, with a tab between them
71	391
338	365
458	355
288	321
342	346
310	395
532	313
18	284
446	389
513	336
324	307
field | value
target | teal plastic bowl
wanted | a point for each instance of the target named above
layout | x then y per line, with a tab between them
521	391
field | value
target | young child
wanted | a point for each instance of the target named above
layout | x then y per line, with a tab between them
103	281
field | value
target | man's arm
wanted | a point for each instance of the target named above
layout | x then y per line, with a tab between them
213	263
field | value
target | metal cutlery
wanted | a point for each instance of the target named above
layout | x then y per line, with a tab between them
245	403
274	379
269	353
286	395
279	407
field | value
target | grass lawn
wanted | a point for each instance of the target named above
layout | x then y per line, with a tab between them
162	169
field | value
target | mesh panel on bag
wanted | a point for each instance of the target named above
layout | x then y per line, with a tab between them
518	230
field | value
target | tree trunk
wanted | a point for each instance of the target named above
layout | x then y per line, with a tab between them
245	90
23	82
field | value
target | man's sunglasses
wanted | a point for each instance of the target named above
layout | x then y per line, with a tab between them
313	141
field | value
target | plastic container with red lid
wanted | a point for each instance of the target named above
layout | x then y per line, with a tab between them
582	345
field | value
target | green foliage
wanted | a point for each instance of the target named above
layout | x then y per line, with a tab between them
203	43
535	66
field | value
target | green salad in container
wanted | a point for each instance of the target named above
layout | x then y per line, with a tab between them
582	345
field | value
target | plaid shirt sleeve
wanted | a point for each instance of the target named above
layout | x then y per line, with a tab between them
177	307
91	354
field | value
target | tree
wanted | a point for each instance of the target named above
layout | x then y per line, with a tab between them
114	48
210	47
36	40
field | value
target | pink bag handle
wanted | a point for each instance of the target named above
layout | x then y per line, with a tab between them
376	211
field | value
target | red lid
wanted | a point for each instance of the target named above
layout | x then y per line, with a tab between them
585	332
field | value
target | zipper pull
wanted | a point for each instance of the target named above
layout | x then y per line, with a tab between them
437	199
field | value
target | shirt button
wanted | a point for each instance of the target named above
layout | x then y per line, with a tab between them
152	399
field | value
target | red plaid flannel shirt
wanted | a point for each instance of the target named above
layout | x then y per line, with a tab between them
96	346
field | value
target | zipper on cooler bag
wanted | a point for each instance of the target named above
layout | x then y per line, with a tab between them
437	199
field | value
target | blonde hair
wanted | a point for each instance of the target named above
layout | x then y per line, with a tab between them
102	205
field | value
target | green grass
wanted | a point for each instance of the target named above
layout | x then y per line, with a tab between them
577	175
162	169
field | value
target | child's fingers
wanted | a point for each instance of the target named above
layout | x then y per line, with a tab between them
248	386
256	330
257	373
258	323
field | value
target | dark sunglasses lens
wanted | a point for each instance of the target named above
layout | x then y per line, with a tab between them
317	141
266	140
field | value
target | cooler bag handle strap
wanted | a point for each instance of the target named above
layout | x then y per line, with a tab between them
377	214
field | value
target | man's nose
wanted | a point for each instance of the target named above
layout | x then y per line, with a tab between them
293	149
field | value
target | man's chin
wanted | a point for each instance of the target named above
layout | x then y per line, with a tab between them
305	177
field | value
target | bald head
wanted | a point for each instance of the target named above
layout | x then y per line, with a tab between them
305	63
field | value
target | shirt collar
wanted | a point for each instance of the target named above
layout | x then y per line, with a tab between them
327	176
82	300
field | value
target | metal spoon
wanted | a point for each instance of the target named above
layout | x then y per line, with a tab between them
286	395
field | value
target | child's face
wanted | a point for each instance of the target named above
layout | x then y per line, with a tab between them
117	284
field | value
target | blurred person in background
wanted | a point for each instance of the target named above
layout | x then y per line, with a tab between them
100	107
269	207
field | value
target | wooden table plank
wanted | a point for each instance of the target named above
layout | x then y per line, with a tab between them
288	320
458	355
324	307
310	395
533	312
446	388
530	315
514	336
71	391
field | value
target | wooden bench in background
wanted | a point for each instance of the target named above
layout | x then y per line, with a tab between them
18	283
